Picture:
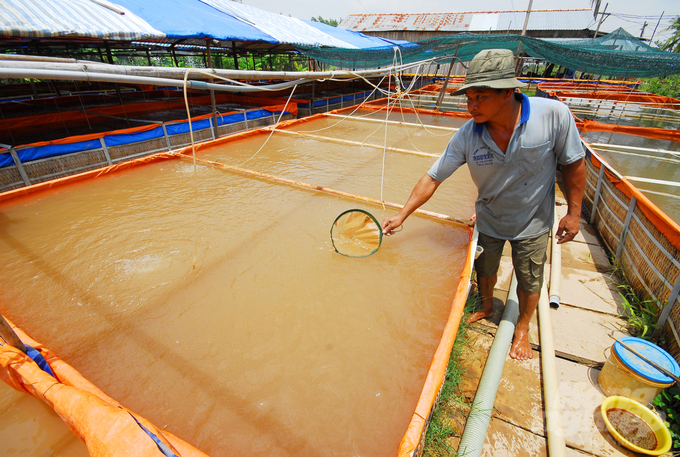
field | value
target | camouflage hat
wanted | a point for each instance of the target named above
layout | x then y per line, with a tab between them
493	68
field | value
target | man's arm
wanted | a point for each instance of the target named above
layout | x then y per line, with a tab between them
574	178
421	193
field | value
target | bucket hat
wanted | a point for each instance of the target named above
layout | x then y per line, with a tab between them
493	68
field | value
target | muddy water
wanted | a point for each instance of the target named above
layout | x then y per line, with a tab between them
29	427
274	344
353	169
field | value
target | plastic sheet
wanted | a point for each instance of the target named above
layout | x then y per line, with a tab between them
106	427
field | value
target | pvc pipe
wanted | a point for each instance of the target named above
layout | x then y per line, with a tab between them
555	268
554	429
68	75
477	424
205	73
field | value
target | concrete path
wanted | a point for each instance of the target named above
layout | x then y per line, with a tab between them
590	304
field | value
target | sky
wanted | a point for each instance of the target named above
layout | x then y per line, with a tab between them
629	14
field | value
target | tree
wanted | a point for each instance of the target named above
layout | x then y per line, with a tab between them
673	43
332	22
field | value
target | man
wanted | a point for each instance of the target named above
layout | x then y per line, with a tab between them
512	146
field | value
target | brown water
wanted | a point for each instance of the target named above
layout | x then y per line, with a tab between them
274	344
632	428
28	427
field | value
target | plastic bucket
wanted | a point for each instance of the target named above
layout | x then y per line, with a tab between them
627	375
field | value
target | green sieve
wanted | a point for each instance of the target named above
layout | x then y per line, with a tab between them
356	233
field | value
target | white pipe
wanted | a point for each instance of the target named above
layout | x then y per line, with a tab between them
130	79
555	268
554	429
477	424
202	73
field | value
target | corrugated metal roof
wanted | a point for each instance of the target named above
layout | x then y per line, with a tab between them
476	21
72	18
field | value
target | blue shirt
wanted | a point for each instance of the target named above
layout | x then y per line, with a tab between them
516	190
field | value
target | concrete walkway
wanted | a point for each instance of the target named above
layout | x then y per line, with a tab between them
590	304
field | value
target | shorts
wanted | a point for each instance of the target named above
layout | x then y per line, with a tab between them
528	259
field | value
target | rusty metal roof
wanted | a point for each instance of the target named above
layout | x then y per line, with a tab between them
475	21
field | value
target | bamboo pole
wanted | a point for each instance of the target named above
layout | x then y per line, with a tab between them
356	143
408	124
327	190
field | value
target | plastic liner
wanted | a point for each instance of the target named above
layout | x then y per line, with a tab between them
415	434
46	149
647	132
103	424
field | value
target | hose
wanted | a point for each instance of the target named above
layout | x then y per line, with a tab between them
477	424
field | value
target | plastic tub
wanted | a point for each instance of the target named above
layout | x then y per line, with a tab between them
654	422
627	375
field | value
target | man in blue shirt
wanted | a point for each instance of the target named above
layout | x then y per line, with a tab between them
512	147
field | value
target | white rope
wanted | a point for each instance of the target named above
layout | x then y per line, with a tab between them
193	155
273	129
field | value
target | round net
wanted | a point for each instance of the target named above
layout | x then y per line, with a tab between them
356	233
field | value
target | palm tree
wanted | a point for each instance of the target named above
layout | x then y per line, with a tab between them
673	43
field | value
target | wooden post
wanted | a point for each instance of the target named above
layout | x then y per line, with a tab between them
626	224
19	165
233	49
212	91
446	81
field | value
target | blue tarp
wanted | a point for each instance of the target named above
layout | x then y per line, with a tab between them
173	128
193	19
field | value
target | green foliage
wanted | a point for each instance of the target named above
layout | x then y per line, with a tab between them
668	86
641	315
673	43
668	401
331	22
442	425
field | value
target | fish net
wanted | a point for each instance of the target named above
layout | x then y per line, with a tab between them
356	233
618	54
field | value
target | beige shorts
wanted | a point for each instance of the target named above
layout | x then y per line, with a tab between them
528	259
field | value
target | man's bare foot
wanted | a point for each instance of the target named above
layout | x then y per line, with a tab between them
483	313
521	349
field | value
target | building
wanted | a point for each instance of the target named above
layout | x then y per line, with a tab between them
556	23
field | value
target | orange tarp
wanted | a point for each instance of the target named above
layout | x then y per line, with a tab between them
659	101
437	373
77	117
292	108
647	132
107	428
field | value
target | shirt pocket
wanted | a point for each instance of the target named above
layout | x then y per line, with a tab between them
534	157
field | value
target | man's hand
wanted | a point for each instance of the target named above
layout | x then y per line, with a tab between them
421	193
389	224
567	229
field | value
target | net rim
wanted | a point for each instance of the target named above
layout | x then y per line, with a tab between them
374	220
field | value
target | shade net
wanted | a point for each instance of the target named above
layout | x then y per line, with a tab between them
619	54
356	233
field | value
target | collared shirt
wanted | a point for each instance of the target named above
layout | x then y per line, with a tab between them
516	190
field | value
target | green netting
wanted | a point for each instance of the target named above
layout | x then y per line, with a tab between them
619	54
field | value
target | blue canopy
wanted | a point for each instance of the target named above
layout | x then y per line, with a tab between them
194	19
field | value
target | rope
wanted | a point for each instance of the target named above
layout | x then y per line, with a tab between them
273	129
